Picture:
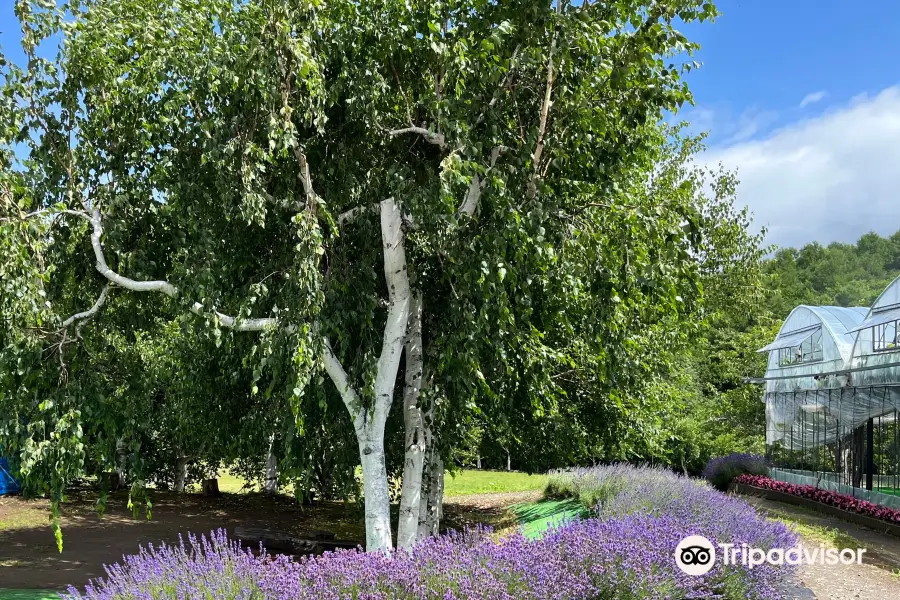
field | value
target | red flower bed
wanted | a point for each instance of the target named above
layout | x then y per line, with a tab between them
842	501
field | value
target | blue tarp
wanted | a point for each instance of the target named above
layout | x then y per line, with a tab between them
8	485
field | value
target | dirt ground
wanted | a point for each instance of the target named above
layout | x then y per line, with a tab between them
29	559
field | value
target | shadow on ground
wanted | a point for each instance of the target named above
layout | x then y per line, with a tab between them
29	557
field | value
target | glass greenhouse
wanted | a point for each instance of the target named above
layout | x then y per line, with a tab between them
832	394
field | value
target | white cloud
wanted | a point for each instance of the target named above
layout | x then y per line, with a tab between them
750	123
829	178
812	98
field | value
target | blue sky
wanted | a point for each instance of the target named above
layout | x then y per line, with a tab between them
761	58
802	97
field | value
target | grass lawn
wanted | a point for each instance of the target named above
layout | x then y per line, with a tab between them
468	482
229	484
887	490
807	528
18	515
463	483
28	595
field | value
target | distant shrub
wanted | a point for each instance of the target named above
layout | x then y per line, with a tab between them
721	472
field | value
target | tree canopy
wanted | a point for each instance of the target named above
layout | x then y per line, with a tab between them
225	222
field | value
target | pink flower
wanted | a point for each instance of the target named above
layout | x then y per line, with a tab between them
842	501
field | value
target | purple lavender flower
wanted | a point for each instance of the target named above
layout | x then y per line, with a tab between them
624	552
721	471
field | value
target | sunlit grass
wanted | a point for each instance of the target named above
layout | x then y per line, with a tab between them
230	484
28	595
16	513
463	483
808	529
468	482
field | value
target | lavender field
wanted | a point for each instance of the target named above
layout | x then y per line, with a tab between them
623	550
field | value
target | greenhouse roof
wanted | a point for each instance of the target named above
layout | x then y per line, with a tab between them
879	317
837	320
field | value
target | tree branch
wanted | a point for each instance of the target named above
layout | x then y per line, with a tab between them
43	211
432	138
339	376
354	213
163	287
306	180
542	127
93	310
476	187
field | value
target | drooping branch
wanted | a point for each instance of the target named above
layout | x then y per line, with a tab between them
45	211
429	136
351	215
93	310
163	287
542	126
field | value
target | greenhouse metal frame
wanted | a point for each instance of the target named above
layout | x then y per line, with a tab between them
832	395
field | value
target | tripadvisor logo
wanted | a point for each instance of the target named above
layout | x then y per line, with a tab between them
696	555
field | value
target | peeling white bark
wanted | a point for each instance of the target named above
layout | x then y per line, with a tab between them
432	496
181	466
414	458
369	424
431	507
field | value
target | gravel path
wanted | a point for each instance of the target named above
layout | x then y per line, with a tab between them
878	578
845	582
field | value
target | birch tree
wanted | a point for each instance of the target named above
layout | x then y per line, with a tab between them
358	186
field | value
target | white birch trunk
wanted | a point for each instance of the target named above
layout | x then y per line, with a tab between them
414	459
181	468
369	425
375	487
121	462
431	524
432	497
271	484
